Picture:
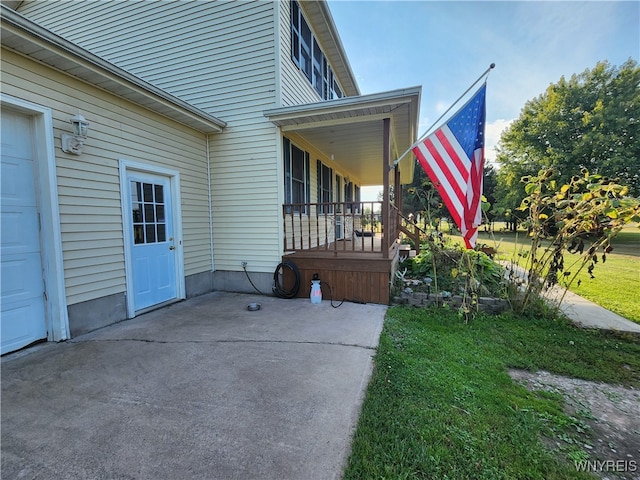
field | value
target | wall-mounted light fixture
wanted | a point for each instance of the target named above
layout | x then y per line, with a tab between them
74	143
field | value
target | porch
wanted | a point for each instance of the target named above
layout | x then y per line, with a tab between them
351	244
352	247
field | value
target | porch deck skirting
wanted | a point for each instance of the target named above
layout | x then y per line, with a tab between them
358	277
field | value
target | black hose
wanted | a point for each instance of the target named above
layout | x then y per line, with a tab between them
277	288
331	295
244	267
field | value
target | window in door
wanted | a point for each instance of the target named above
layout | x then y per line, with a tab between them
148	212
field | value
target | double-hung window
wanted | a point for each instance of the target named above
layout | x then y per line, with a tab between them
301	39
318	69
325	187
296	176
352	197
307	54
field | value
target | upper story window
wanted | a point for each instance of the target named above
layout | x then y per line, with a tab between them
308	56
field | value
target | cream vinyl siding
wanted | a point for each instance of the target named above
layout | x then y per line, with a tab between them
246	208
220	57
88	185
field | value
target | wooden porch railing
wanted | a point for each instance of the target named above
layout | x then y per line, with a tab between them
410	229
336	226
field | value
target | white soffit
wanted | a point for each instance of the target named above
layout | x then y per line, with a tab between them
350	130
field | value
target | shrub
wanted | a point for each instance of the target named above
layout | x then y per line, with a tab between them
580	217
450	269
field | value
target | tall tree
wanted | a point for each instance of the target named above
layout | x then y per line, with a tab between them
422	199
489	185
590	121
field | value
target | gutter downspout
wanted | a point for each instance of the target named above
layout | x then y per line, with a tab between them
210	202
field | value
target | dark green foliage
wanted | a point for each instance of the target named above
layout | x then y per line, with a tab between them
591	120
449	265
580	217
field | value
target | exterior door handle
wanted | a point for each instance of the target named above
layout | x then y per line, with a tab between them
172	247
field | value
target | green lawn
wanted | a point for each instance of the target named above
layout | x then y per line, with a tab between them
617	281
441	404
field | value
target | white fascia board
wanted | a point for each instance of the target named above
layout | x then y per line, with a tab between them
342	105
21	34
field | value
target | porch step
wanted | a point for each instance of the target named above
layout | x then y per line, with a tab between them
405	251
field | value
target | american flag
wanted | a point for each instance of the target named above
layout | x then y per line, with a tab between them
453	158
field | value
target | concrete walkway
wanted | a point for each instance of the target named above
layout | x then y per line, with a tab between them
581	311
587	314
203	389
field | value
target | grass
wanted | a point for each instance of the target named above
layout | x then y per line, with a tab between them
616	282
615	286
441	404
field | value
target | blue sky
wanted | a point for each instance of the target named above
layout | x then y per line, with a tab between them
445	45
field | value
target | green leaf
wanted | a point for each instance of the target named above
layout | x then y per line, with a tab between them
611	213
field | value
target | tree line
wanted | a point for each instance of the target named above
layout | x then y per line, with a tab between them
590	121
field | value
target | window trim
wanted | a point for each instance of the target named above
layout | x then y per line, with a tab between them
288	145
327	87
321	171
351	197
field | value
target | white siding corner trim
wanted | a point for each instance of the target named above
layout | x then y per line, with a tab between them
47	187
174	180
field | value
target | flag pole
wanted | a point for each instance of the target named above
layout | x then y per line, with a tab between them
485	73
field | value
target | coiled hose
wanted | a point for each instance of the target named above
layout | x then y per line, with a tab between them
277	288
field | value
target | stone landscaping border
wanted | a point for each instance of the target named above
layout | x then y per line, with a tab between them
489	305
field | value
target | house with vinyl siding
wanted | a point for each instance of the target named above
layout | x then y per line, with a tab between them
225	138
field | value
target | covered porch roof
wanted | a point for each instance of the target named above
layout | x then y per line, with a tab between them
350	130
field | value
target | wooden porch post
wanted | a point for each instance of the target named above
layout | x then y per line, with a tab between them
386	158
397	189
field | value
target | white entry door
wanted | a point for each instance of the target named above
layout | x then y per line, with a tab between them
21	283
153	248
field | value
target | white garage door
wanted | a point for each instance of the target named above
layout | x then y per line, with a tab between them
22	286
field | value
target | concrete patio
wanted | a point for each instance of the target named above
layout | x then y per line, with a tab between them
202	389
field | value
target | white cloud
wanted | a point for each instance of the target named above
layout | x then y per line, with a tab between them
492	133
441	106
